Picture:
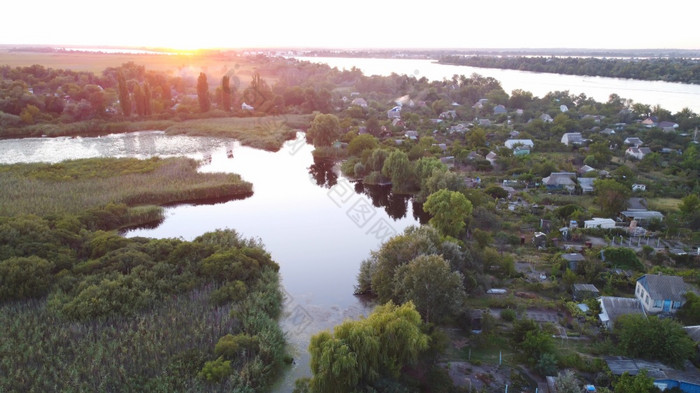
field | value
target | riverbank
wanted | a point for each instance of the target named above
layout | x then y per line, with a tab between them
267	132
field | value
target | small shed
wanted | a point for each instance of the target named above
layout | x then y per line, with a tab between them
585	291
573	259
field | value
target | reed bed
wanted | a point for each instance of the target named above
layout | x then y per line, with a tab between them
76	186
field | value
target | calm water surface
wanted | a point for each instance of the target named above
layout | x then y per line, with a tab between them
315	223
671	96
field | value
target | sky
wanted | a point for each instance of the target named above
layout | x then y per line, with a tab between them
202	24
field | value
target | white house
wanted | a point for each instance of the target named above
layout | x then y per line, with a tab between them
660	293
639	187
572	138
637	152
511	143
633	141
491	157
602	223
546	118
563	108
246	107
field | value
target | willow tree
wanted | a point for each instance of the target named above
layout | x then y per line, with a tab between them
449	209
358	353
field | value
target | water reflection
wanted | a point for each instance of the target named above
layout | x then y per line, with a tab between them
395	205
323	172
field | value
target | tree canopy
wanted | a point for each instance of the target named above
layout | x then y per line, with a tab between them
449	209
324	130
654	338
358	353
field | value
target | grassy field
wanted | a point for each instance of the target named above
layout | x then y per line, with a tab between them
214	65
75	186
664	204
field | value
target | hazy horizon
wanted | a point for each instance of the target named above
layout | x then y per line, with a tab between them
363	24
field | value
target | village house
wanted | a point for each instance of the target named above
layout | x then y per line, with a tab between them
667	126
602	223
484	122
639	187
611	308
641	215
637	152
491	157
412	135
586	184
660	293
546	118
448	115
572	138
394	113
633	141
480	104
499	110
361	102
560	181
573	259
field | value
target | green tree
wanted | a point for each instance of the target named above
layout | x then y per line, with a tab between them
203	93
689	313
640	383
611	196
361	143
324	130
449	209
398	168
690	204
359	353
24	277
124	98
432	286
537	343
654	338
225	93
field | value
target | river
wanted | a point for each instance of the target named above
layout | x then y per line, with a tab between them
317	225
671	96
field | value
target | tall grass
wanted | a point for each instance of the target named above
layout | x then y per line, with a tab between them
75	186
159	348
268	132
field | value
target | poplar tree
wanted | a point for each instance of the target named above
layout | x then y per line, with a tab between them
124	99
225	94
203	93
147	99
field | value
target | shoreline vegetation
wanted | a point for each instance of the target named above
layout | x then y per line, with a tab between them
139	186
266	132
678	70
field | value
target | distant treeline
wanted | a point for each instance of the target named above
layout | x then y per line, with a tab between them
668	70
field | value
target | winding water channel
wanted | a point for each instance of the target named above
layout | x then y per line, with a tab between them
314	222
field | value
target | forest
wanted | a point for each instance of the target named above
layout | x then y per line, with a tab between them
679	70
